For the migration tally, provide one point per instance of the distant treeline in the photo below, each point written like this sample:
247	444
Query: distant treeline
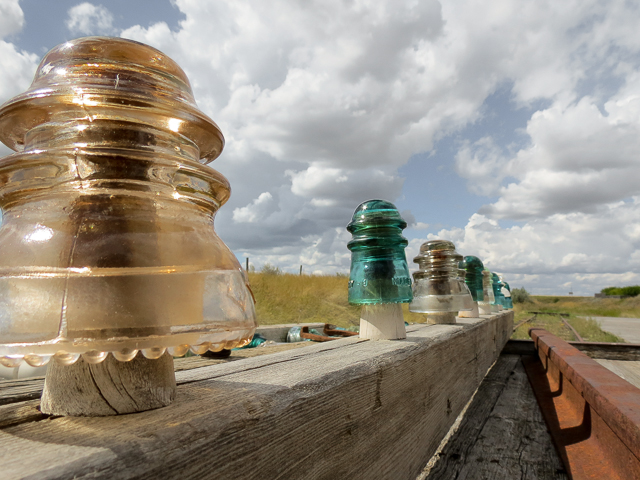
632	291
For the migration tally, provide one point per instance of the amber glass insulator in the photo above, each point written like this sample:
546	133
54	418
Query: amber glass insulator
107	241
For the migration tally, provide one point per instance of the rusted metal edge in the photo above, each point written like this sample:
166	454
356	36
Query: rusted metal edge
523	322
329	334
593	415
608	351
549	313
573	330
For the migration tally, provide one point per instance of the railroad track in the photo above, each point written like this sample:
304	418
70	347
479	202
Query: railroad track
523	322
563	317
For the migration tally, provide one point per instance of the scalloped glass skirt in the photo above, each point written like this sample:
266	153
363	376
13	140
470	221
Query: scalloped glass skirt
58	313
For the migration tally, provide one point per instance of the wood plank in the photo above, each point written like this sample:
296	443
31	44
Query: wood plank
12	391
629	370
342	409
609	351
26	389
502	434
29	388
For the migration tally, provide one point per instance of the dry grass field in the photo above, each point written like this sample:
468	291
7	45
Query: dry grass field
287	298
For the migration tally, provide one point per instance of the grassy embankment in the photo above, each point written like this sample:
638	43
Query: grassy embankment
576	307
290	298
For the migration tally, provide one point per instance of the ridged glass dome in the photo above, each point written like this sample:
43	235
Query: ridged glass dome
473	278
107	234
437	286
489	303
497	289
379	270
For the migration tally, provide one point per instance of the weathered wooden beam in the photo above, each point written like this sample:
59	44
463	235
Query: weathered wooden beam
502	435
349	408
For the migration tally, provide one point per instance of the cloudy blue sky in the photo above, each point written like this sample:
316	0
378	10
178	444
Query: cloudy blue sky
511	127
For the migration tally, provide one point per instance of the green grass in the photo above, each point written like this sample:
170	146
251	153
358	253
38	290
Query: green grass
552	323
589	329
588	306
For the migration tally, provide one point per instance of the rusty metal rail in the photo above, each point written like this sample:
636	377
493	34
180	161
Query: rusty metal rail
600	350
526	320
573	330
593	415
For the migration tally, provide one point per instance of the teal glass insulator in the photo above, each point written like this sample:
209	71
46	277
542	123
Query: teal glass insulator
256	341
507	299
379	270
474	267
497	289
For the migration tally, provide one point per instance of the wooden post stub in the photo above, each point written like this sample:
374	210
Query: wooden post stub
382	322
474	313
438	318
108	388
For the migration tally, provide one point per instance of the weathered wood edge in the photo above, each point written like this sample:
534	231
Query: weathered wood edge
110	387
20	390
502	434
345	409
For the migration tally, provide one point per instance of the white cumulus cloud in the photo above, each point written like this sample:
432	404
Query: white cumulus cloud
89	19
322	103
11	17
253	211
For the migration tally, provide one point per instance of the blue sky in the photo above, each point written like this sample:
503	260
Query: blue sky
509	127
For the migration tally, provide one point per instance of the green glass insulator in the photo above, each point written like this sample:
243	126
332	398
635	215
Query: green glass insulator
497	289
507	300
473	266
379	270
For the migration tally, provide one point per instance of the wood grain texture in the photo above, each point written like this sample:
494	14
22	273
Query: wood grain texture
502	434
110	387
382	322
438	318
12	391
609	351
629	370
343	409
